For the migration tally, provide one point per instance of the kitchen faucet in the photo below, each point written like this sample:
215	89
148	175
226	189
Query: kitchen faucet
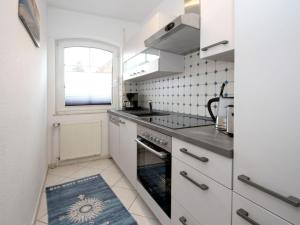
150	106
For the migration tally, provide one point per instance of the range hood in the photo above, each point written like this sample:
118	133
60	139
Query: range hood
182	35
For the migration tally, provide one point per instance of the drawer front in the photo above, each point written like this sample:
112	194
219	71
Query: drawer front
181	216
201	196
247	213
213	165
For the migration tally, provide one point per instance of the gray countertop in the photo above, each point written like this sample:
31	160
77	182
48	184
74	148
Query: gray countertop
206	137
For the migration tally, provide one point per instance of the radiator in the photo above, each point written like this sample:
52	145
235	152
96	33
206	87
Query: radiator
80	140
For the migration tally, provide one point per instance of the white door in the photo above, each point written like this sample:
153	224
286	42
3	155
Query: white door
114	138
267	105
217	29
128	150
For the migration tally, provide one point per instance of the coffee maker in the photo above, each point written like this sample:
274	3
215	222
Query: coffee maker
132	102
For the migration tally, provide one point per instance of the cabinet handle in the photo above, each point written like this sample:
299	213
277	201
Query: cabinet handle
201	186
183	220
122	122
290	199
225	42
245	215
202	159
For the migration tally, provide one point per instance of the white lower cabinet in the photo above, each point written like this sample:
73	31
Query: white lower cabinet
114	138
128	150
206	200
180	216
211	164
122	145
245	213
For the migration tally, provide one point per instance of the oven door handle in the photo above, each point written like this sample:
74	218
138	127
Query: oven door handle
161	155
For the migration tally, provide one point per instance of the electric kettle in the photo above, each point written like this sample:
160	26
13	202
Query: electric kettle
221	118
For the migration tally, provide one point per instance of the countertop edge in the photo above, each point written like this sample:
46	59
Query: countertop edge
223	152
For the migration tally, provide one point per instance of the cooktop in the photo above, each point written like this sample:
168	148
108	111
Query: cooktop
179	121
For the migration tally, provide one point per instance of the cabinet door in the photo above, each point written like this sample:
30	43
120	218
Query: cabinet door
246	213
200	195
128	150
217	29
114	139
267	147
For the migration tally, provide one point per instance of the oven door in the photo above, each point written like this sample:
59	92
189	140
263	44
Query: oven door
154	172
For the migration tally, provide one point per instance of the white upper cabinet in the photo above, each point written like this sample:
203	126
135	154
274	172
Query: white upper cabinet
217	30
152	63
267	146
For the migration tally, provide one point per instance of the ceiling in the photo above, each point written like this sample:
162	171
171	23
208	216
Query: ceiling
130	10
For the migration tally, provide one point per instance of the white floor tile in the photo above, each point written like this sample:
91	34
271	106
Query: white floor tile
111	176
140	208
145	220
65	171
124	183
126	196
99	164
39	223
44	219
85	172
52	180
43	207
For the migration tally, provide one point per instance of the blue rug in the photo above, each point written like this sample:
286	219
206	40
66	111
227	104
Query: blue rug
88	201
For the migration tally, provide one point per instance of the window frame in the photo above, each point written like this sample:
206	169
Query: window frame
61	108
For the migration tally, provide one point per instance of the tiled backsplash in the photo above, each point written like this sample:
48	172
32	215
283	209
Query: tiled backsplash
189	92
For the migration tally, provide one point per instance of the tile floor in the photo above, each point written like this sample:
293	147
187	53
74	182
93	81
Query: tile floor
115	179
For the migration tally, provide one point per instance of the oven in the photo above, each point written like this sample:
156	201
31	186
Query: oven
154	166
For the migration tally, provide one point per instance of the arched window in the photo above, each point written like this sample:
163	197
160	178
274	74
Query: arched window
86	72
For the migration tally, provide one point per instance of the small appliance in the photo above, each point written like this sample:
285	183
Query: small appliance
221	118
133	101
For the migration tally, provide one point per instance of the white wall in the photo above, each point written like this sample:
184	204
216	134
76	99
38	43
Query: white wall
167	11
23	116
63	24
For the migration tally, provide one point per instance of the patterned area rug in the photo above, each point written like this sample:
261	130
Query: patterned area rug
88	201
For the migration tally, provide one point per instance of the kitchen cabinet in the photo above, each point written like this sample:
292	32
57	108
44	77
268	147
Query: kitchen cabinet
181	216
245	213
152	63
122	145
201	196
114	137
128	150
217	29
266	151
213	165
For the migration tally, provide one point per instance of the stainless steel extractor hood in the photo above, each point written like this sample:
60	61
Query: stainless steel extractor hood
182	35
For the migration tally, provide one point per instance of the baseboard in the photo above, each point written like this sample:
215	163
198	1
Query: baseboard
37	206
75	161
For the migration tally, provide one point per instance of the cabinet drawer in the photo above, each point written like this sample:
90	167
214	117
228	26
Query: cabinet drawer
180	216
200	195
279	198
213	165
247	213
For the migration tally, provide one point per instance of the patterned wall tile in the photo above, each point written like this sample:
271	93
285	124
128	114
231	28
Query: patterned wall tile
188	92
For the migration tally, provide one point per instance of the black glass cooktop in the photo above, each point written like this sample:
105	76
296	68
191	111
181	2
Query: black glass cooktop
179	121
